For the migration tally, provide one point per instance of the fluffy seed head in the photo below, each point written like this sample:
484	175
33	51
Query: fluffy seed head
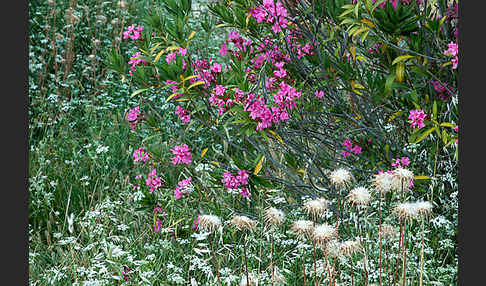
424	209
383	182
273	217
243	222
403	175
340	177
209	222
349	247
323	233
332	249
359	196
387	232
316	207
122	4
406	211
252	279
279	278
302	228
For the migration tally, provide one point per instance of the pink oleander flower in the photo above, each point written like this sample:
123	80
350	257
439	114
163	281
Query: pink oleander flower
281	73
183	115
245	193
454	62
223	51
171	58
182	52
153	181
401	162
456	128
140	155
182	155
135	61
219	90
133	116
452	50
233	182
350	149
216	68
133	33
417	117
319	93
182	188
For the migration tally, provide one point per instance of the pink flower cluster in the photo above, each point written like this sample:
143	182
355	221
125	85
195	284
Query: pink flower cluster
182	155
140	155
269	11
233	182
453	50
133	33
183	115
441	88
266	116
134	117
153	181
348	145
182	188
319	93
171	57
135	61
400	162
417	117
195	223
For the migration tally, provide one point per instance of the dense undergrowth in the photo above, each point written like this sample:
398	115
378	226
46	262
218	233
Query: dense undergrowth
166	137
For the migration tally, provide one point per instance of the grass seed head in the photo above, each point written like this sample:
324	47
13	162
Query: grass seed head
243	222
349	247
273	217
340	177
323	233
316	207
359	196
302	228
209	223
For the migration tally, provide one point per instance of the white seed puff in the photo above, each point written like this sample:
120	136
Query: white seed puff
340	177
209	223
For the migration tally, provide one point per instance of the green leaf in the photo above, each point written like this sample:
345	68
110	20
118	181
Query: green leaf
137	92
425	134
402	58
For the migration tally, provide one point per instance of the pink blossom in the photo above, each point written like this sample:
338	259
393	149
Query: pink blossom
245	193
133	116
182	188
454	62
417	117
319	94
182	155
216	68
171	58
281	73
223	51
133	33
182	52
135	61
452	50
140	155
183	115
219	90
153	181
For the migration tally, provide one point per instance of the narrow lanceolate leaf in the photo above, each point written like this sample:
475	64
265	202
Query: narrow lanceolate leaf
422	178
138	91
401	59
259	166
400	72
204	152
425	134
172	96
368	22
191	35
196	84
